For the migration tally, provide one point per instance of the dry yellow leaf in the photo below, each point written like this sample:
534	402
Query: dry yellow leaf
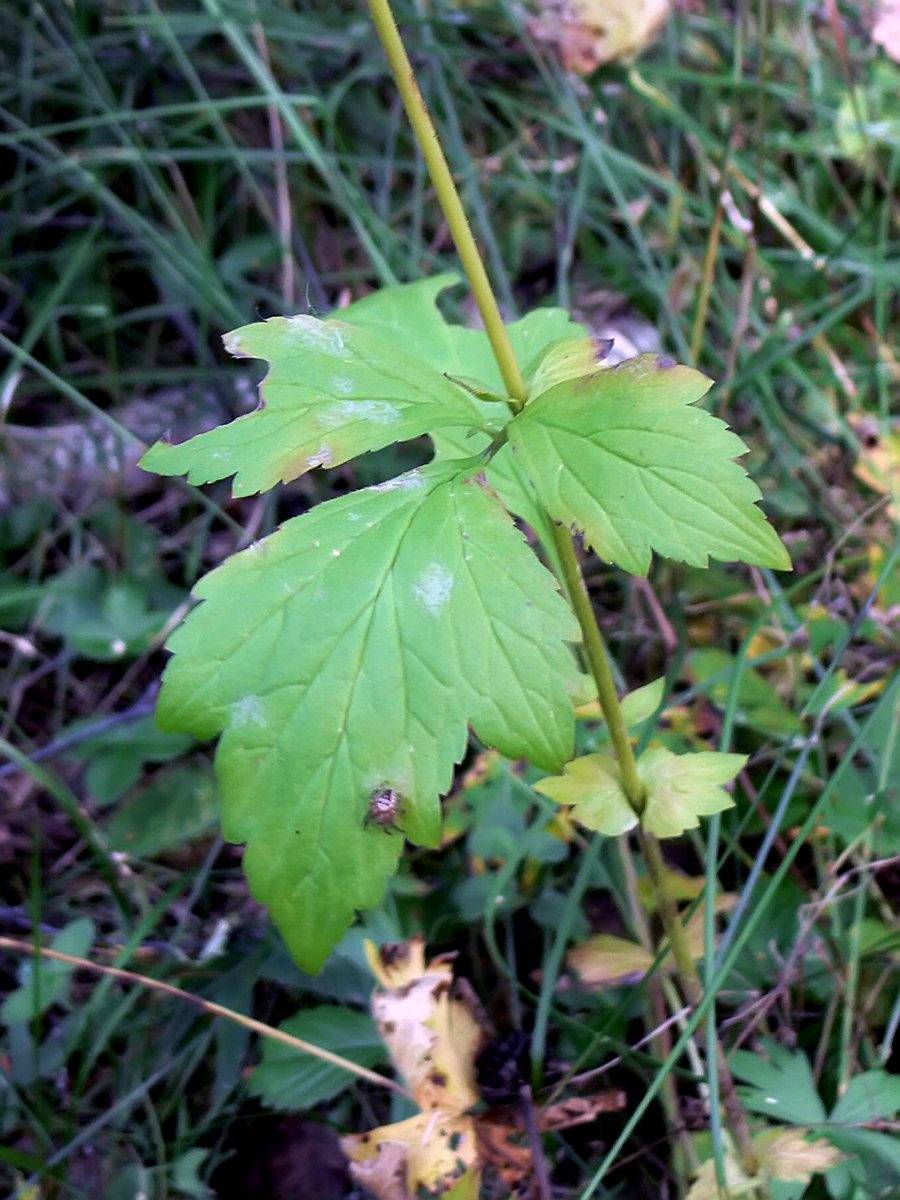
878	464
606	961
430	1025
786	1154
433	1030
737	1182
431	1151
587	33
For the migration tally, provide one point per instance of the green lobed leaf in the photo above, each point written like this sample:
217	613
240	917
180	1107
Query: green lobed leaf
379	372
683	787
409	318
623	456
592	784
871	1096
784	1086
344	655
333	391
680	788
175	808
115	757
45	981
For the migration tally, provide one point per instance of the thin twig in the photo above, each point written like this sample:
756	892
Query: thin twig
208	1006
541	1174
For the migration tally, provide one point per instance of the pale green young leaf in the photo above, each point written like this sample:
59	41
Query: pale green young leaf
623	456
683	787
333	391
344	655
569	358
643	702
592	784
679	789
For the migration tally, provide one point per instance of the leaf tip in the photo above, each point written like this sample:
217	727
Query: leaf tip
234	344
148	460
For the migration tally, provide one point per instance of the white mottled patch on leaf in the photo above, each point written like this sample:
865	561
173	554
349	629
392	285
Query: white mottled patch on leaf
322	336
380	412
343	387
323	457
249	710
412	482
434	588
233	344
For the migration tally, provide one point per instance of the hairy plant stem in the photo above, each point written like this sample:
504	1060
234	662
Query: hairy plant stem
689	978
573	581
598	661
448	198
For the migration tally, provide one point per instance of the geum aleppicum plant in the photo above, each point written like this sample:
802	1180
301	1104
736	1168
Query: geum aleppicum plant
348	653
345	656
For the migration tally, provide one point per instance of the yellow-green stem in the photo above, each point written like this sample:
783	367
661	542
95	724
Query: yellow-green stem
689	978
598	661
655	1012
595	650
448	197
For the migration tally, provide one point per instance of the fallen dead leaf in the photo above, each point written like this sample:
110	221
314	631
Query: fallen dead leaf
433	1028
587	33
500	1131
886	30
429	1152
